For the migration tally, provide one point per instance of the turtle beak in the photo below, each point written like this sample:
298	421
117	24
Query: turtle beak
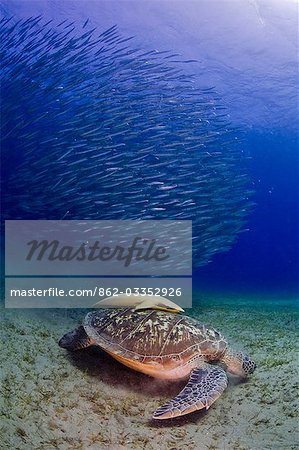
66	340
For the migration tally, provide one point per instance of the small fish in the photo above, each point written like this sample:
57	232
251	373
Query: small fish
85	23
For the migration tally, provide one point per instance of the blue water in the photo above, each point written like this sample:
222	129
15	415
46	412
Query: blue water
266	257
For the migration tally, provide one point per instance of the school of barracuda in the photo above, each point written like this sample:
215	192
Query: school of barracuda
93	128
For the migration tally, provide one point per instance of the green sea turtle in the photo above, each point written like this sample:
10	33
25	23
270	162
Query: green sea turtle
166	346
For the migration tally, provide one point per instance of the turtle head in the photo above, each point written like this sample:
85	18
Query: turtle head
75	340
238	363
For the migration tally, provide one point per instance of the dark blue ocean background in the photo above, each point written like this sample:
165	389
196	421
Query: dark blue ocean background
265	259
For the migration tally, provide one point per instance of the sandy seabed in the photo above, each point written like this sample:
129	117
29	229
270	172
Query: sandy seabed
51	399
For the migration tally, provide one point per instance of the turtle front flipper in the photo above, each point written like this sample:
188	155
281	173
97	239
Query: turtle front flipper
75	340
205	385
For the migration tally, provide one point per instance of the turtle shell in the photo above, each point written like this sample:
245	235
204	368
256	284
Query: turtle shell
153	335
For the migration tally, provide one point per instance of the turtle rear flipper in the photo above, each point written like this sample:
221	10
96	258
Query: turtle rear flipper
76	340
205	385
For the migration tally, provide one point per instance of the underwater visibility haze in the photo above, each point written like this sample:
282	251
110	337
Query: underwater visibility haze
146	110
